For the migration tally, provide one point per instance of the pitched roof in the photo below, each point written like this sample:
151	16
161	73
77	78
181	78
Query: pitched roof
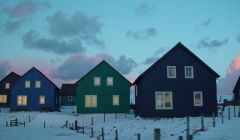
68	90
237	87
104	62
178	45
12	74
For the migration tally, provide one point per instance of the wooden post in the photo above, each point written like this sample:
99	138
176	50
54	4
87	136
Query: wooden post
238	111
91	132
6	123
116	134
104	117
180	138
92	121
187	130
29	118
229	114
222	117
138	136
44	124
76	125
16	122
24	124
234	111
214	122
157	134
83	129
202	122
102	133
115	115
125	115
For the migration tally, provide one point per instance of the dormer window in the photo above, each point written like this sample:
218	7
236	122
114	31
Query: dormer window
171	72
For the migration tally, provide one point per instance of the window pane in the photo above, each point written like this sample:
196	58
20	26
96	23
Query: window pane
87	101
42	100
19	100
159	100
171	71
94	101
168	100
37	84
109	81
3	98
24	100
7	85
27	84
197	98
97	81
115	99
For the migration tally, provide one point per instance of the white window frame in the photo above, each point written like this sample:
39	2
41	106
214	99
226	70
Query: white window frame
175	72
22	97
95	81
163	108
3	98
69	98
114	101
42	102
27	84
185	71
91	101
109	81
201	95
38	84
7	85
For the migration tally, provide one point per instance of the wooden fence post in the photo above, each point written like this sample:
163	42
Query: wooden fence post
16	122
138	136
238	111
83	130
222	117
6	123
187	130
157	134
92	121
229	114
180	138
76	125
125	115
202	122
234	111
24	124
116	134
115	115
91	132
214	122
102	133
44	124
29	118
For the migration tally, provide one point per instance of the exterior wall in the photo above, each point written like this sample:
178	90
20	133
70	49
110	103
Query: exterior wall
65	102
182	89
104	93
236	90
47	89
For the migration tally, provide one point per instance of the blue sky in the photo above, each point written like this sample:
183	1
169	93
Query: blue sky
65	39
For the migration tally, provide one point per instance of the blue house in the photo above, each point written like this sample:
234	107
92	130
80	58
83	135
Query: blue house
236	90
34	91
178	84
5	86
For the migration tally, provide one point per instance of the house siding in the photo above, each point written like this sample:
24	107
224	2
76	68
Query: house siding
65	102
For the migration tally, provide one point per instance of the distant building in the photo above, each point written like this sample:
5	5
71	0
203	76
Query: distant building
236	90
68	98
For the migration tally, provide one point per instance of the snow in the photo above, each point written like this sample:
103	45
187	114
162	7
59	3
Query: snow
127	127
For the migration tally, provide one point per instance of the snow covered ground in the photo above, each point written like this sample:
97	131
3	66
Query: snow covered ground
127	127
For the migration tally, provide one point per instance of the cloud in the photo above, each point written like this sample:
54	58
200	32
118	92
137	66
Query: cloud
206	23
144	9
159	51
25	8
78	25
12	25
227	83
78	65
140	35
31	40
4	68
150	60
211	44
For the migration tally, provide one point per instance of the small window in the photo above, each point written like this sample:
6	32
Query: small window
69	98
27	84
90	101
37	84
97	81
116	100
42	100
3	98
171	72
22	100
7	85
198	100
163	100
189	72
109	81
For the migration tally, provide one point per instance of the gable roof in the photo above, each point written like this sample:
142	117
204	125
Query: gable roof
12	74
178	45
104	62
237	86
33	68
68	90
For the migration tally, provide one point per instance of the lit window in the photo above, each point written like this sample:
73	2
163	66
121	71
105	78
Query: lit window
91	101
7	85
37	84
27	84
69	98
42	100
163	100
3	98
198	100
171	72
97	81
189	72
109	81
22	100
115	99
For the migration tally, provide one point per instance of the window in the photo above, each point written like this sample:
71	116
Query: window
91	101
171	72
69	98
97	81
163	100
37	84
109	81
7	85
189	72
22	100
27	84
115	99
198	100
42	100
3	98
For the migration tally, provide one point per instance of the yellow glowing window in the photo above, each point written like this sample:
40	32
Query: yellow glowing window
91	101
22	100
42	100
115	99
3	98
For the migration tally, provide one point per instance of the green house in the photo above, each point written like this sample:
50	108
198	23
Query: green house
103	90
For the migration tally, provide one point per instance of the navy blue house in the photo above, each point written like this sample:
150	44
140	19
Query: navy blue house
178	84
34	91
236	90
5	86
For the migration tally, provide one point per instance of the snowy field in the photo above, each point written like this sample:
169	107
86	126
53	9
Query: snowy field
127	127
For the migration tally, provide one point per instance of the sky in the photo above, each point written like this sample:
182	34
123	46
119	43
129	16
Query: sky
65	39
